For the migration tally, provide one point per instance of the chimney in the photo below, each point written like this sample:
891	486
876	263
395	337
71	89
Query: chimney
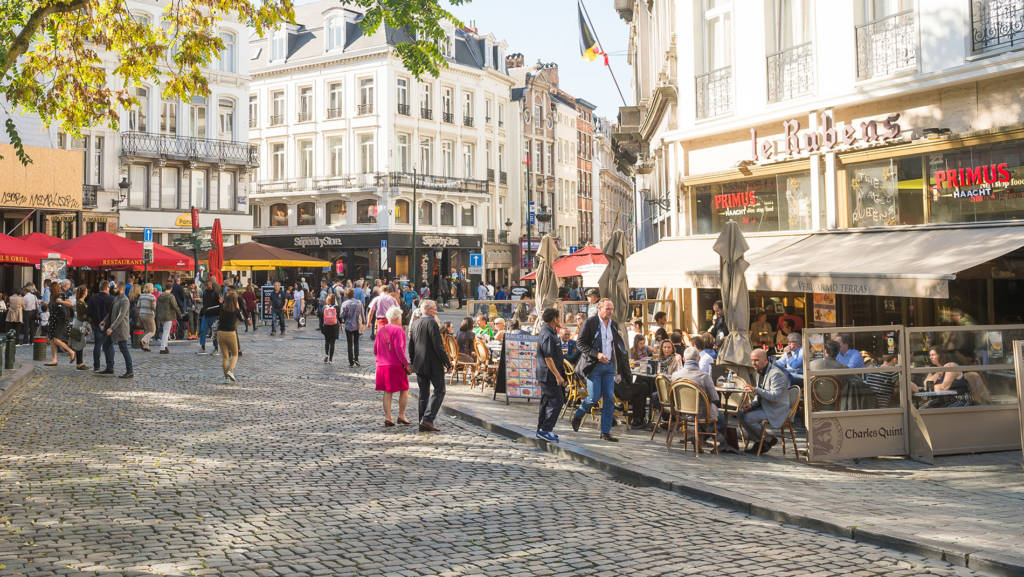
514	61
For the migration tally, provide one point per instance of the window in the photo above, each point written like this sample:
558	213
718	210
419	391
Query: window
253	111
772	203
402	96
996	25
447	159
790	51
468	216
279	45
305	159
168	188
402	153
97	160
335	33
337	212
550	159
137	116
427	155
446	105
467	161
467	105
366	96
138	181
197	183
305	103
277	158
426	215
227	190
306	212
279	214
401	211
487	149
366	153
366	212
334	93
226	114
487	110
277	107
538	167
538	116
717	34
426	101
447	214
501	115
335	155
168	117
214	197
197	116
227	54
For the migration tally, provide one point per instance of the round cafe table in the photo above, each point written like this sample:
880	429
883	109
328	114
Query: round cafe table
726	391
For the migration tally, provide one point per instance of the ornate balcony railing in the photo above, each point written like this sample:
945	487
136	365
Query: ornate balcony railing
252	123
448	117
335	112
276	119
89	192
403	109
502	177
887	45
490	175
426	113
364	109
431	182
468	121
997	25
791	72
172	147
305	116
714	93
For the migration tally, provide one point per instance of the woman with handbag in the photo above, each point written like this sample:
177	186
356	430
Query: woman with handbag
59	328
80	327
393	368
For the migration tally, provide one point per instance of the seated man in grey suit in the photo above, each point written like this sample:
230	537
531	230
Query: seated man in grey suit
772	402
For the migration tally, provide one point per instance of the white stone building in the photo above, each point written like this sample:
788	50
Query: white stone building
614	207
342	129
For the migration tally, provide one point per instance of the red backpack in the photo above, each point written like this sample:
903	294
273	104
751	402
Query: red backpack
330	316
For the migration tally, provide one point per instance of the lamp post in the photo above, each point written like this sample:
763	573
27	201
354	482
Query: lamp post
415	216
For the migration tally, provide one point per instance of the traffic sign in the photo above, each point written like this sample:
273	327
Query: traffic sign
383	254
147	245
533	220
476	263
147	235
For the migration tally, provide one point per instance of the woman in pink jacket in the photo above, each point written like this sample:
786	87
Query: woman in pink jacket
392	365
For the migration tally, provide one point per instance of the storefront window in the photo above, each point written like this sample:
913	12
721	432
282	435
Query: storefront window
279	214
427	212
885	193
767	204
977	184
401	212
307	214
366	212
467	216
447	214
337	212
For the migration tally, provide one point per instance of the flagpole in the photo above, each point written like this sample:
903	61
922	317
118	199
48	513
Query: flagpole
610	71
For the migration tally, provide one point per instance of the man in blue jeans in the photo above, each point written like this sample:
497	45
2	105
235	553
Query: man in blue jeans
278	298
604	360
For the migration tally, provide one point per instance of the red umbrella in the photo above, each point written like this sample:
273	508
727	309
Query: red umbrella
17	251
102	249
216	256
40	239
566	266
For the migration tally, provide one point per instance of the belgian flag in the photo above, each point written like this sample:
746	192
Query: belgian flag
589	48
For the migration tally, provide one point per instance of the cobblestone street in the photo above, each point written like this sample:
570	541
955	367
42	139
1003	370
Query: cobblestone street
291	472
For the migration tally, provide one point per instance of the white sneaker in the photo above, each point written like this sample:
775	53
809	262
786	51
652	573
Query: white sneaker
232	376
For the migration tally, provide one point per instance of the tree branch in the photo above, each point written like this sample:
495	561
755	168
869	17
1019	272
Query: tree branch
23	40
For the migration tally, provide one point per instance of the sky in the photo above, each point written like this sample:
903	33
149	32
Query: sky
548	30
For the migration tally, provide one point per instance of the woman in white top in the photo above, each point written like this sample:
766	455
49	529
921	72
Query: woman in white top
298	297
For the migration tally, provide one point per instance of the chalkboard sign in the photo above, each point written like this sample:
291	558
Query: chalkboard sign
265	292
521	366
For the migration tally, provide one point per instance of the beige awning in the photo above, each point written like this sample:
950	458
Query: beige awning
692	262
901	263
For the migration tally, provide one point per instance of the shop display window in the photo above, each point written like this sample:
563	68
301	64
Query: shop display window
366	212
773	203
279	214
307	214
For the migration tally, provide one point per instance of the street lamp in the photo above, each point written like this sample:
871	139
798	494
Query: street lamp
122	194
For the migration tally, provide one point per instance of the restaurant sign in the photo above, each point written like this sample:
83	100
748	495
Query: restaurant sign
851	435
827	137
52	181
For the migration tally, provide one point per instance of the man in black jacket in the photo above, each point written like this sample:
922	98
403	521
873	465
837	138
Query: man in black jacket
278	299
429	362
550	375
98	306
604	360
179	295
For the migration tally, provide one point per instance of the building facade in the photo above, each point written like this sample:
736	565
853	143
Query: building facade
853	129
355	149
585	122
614	206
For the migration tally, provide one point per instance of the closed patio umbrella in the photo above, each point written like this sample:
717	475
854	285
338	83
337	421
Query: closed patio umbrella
613	283
547	281
216	256
735	348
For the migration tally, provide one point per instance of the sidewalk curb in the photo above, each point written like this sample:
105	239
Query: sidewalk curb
995	564
14	379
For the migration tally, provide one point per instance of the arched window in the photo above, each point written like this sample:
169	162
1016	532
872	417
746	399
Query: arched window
307	214
468	215
227	54
279	214
426	212
366	212
401	212
447	214
337	212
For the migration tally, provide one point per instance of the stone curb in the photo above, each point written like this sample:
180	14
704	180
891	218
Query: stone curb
14	379
995	564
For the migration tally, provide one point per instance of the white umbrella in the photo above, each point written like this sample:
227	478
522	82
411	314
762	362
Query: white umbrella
731	246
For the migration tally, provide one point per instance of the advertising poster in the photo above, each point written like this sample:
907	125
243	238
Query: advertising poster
521	366
265	292
824	309
54	268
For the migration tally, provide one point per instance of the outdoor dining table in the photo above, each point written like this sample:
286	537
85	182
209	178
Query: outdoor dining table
726	391
927	395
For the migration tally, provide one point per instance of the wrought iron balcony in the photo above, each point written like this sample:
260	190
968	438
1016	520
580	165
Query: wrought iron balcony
887	45
791	72
276	119
443	183
501	123
426	113
487	120
305	116
543	214
335	112
997	25
170	147
252	123
403	109
714	93
448	117
468	121
490	235
336	182
503	236
89	192
502	177
364	109
490	175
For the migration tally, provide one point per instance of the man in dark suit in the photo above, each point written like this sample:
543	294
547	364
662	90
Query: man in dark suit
178	292
429	362
604	360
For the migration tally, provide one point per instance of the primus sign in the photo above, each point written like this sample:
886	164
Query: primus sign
828	137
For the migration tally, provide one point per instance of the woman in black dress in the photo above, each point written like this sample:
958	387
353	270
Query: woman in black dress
60	324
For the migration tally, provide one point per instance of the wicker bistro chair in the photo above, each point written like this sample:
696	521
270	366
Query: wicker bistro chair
484	371
665	398
691	405
575	388
825	391
794	402
451	346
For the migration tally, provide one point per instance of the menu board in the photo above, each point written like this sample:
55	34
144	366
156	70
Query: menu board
521	366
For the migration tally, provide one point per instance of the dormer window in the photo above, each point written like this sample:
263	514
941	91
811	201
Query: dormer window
335	33
279	45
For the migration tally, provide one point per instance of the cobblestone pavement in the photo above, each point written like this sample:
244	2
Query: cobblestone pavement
290	472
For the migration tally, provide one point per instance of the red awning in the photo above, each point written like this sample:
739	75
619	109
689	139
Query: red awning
16	251
40	239
103	250
566	266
